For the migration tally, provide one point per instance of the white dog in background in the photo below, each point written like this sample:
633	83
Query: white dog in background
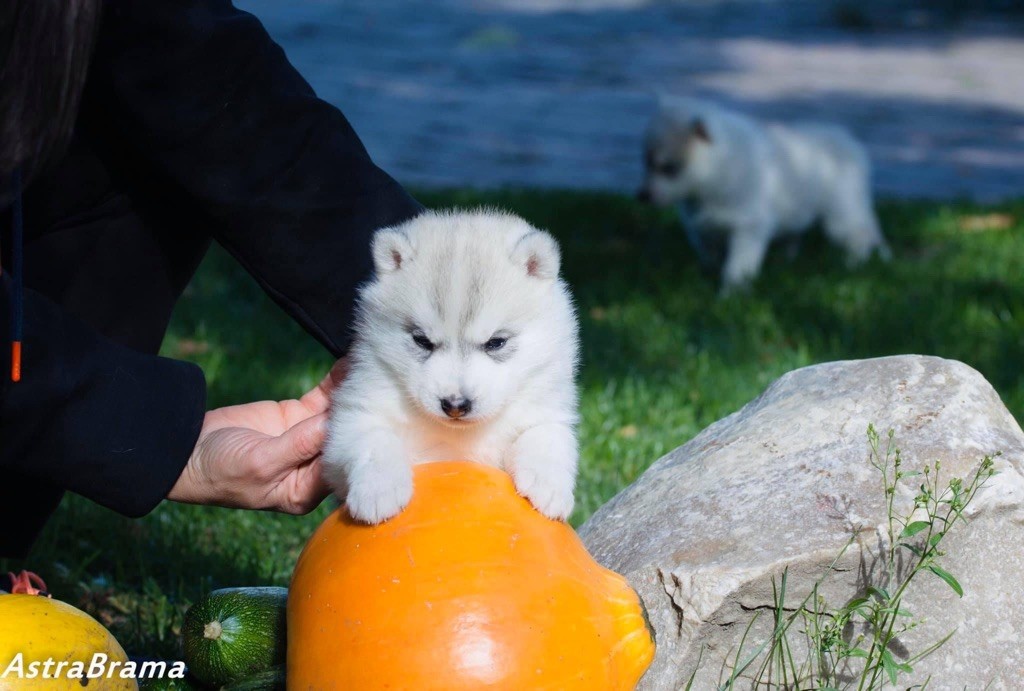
753	182
466	349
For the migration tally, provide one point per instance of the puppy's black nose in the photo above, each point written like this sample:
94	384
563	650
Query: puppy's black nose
456	406
642	195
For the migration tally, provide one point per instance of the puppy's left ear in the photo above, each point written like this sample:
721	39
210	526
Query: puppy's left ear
537	252
700	131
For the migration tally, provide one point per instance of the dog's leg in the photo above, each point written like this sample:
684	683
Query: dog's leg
370	468
691	227
543	466
747	247
853	225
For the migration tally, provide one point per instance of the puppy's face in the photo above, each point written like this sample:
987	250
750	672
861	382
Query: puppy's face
457	312
669	148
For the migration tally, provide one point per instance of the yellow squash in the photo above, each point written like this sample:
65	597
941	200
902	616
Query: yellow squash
35	629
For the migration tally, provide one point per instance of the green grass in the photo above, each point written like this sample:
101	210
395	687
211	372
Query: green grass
662	359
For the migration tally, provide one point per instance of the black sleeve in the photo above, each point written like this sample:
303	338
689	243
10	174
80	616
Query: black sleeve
199	90
93	417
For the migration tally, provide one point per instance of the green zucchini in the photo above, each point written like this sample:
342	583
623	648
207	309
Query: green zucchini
269	680
235	633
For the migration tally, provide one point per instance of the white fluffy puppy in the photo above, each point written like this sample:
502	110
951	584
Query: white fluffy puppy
465	349
754	181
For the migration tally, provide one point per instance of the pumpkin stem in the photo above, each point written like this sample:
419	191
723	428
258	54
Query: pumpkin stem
27	583
212	630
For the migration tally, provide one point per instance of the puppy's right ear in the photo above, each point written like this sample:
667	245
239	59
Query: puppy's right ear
391	250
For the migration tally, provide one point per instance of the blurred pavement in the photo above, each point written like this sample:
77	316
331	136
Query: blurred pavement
557	92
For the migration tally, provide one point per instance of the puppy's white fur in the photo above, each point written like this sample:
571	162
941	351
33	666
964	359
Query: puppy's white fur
755	181
456	281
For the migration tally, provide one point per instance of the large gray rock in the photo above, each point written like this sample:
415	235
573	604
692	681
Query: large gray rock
786	480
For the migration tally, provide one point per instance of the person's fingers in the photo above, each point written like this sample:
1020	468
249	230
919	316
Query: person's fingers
298	487
304	489
297	445
337	374
249	468
318	399
268	417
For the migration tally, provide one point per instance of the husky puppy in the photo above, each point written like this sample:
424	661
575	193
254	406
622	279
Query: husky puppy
466	349
754	182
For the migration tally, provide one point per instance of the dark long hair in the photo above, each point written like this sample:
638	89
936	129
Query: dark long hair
45	46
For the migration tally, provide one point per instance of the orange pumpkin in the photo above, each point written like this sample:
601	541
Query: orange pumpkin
468	588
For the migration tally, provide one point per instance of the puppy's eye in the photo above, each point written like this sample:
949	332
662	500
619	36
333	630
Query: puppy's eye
495	343
669	170
420	339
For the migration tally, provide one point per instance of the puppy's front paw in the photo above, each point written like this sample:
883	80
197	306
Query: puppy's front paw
379	491
543	467
549	492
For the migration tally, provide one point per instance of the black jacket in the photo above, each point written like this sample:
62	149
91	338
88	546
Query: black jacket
193	127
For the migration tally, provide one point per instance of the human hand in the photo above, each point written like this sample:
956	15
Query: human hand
262	455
